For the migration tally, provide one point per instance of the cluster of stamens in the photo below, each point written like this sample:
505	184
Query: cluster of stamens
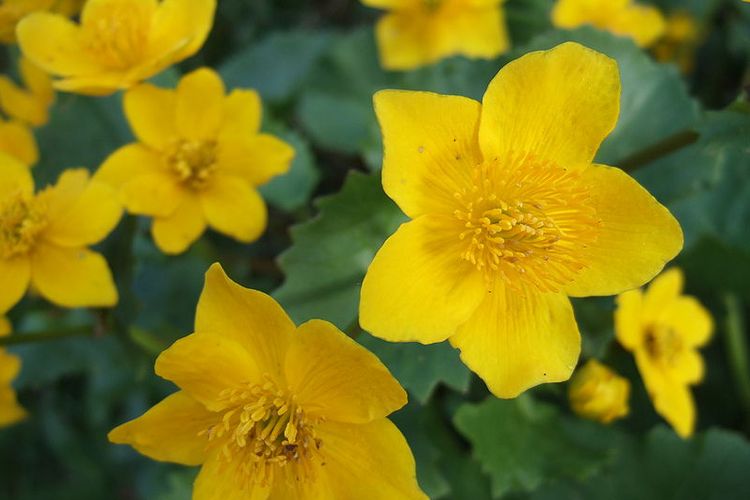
266	432
21	220
118	38
193	162
525	221
662	344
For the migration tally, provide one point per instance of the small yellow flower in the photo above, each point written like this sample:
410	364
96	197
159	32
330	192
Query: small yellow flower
663	329
510	217
10	411
17	140
12	11
118	42
29	104
200	158
679	41
642	23
419	32
271	410
44	238
598	393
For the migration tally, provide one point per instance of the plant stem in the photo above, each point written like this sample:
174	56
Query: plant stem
47	335
738	350
659	150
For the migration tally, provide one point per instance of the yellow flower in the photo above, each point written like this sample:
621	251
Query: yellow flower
199	161
10	411
12	11
118	43
510	217
68	7
663	329
419	32
679	41
598	393
17	141
43	237
271	410
643	23
30	104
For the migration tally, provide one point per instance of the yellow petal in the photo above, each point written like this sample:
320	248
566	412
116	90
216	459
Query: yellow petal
152	114
10	411
175	233
234	208
690	320
18	141
334	377
87	218
642	23
20	104
182	25
430	148
128	163
520	338
249	317
629	319
16	275
204	364
256	159
37	81
662	292
418	288
475	32
53	42
242	114
5	327
72	277
157	193
200	105
405	41
672	399
100	84
368	461
558	105
15	177
220	479
171	431
637	235
688	367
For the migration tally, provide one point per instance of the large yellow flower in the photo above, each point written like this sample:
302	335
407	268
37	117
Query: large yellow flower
43	237
663	329
30	103
598	393
642	23
200	158
18	141
118	43
419	32
10	411
510	217
271	410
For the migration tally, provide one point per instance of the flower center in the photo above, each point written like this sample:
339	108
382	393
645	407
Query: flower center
523	220
663	344
193	162
117	32
21	221
432	5
264	429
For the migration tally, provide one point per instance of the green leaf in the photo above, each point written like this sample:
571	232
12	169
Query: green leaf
522	444
329	255
421	368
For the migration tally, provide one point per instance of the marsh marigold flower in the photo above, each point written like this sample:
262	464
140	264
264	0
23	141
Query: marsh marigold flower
419	32
29	103
44	237
678	44
118	42
10	411
270	410
18	141
598	393
199	161
510	217
664	329
643	23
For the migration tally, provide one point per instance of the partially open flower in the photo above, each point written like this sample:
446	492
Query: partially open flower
598	393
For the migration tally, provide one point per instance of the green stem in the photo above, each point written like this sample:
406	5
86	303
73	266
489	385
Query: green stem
659	150
737	349
44	336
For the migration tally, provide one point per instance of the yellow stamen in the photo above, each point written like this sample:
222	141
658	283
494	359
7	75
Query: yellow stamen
21	220
193	162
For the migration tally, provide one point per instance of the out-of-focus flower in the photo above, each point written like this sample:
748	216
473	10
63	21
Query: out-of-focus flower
12	11
10	411
30	103
510	217
419	32
679	41
663	329
271	410
598	393
68	8
199	161
642	23
17	140
118	42
44	237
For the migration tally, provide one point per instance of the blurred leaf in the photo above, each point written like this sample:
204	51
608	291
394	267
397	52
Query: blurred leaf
329	255
527	18
337	122
522	444
420	368
292	190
